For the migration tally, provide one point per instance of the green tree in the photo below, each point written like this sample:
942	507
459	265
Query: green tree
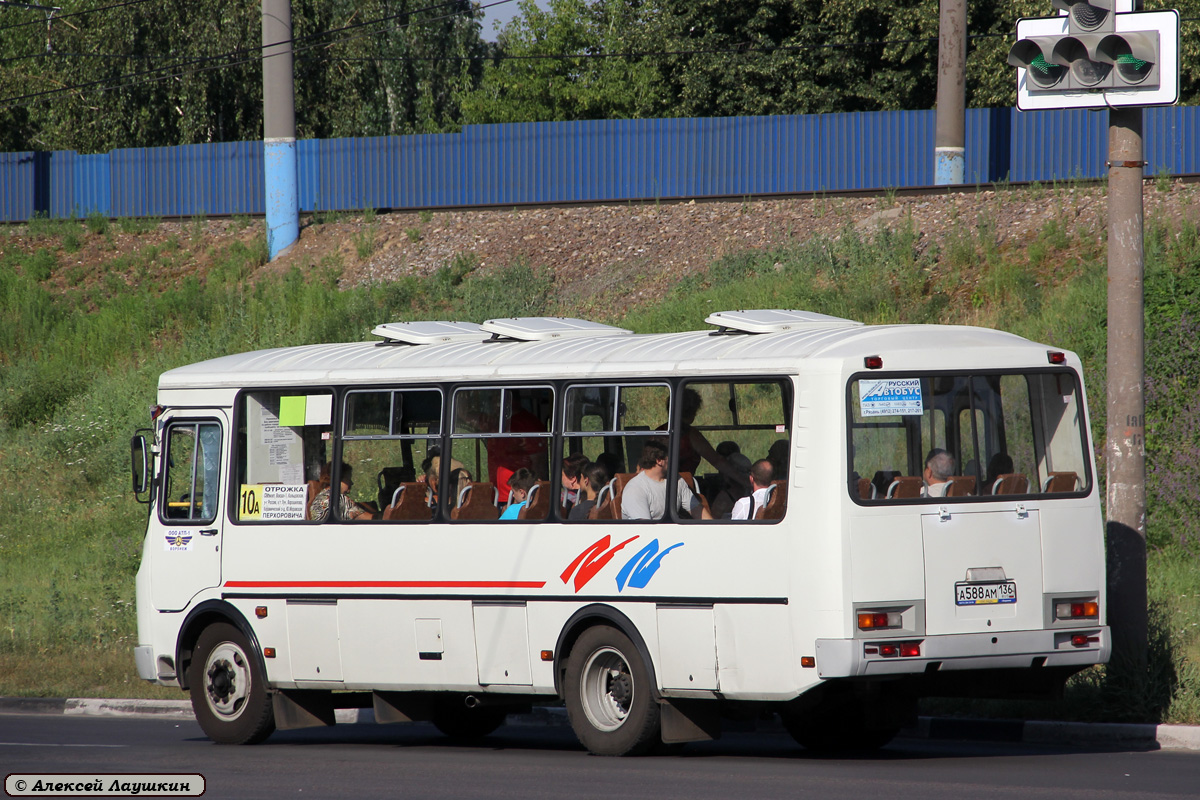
407	74
575	60
189	71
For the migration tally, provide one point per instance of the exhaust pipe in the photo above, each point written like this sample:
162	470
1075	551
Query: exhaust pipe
471	701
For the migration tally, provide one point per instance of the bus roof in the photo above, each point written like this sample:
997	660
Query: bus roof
646	355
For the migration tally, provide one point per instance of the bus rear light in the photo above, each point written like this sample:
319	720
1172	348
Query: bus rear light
1055	357
893	650
876	620
547	655
1083	640
1076	609
873	362
268	652
808	662
260	612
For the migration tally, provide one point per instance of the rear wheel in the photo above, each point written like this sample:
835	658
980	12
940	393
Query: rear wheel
609	698
228	688
841	724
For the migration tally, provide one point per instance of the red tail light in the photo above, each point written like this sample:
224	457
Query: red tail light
889	650
1077	609
1055	357
874	620
910	649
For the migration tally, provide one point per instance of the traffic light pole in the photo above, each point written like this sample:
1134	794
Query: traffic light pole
1125	452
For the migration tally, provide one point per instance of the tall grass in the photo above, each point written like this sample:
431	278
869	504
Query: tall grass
78	371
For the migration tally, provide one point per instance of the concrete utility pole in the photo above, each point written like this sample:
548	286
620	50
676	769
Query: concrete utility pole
950	137
279	128
1126	456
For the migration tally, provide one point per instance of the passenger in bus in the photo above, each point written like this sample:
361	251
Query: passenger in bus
778	456
459	477
519	485
1000	464
692	445
591	480
572	471
347	508
761	475
939	469
732	491
645	496
507	454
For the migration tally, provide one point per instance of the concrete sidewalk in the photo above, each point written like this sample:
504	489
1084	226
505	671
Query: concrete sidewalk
1109	734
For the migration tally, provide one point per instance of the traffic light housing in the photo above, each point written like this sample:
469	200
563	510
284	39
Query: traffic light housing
1095	56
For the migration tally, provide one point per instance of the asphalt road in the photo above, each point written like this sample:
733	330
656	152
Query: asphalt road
415	761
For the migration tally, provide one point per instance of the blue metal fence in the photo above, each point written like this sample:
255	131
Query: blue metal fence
602	160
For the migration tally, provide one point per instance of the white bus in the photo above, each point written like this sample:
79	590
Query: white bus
925	522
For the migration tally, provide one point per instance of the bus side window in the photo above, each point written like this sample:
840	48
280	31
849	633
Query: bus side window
284	438
389	439
498	431
610	424
734	447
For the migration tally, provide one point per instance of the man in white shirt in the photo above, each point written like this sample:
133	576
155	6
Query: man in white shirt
762	472
939	469
645	496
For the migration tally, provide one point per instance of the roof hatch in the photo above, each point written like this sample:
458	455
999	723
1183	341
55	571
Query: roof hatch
544	329
429	332
774	321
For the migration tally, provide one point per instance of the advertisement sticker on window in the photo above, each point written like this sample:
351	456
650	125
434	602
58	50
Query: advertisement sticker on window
890	397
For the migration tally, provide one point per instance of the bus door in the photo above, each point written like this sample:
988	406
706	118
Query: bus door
187	556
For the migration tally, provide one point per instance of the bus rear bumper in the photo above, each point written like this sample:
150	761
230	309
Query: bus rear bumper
846	658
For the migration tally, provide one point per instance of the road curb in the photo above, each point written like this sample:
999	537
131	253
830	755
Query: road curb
1111	734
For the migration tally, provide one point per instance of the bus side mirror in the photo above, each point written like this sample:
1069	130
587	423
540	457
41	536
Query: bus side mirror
140	467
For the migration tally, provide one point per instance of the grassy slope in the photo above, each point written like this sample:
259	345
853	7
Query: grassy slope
78	370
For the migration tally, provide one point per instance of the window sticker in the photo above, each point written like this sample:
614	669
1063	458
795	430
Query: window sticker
890	397
291	410
318	409
272	501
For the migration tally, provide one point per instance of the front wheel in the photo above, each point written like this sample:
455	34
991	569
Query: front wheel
228	688
609	698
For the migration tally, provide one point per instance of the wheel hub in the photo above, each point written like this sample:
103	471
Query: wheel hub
221	681
620	688
227	681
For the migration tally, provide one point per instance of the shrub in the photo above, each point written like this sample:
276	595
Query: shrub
38	399
96	222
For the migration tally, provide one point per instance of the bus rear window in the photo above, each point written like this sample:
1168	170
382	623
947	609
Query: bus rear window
977	435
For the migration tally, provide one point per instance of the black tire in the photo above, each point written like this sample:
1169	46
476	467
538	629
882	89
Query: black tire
610	700
452	717
228	688
836	728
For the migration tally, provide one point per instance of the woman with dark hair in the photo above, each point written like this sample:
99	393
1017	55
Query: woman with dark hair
591	480
318	509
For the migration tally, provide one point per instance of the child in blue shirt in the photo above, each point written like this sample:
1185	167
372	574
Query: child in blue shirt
518	485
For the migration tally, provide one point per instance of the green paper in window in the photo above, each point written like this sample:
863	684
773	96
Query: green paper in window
291	411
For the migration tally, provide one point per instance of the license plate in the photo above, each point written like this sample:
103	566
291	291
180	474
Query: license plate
980	594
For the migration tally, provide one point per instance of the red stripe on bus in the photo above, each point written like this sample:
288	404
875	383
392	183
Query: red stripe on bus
385	584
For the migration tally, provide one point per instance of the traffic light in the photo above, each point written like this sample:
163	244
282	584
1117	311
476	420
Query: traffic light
1097	54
